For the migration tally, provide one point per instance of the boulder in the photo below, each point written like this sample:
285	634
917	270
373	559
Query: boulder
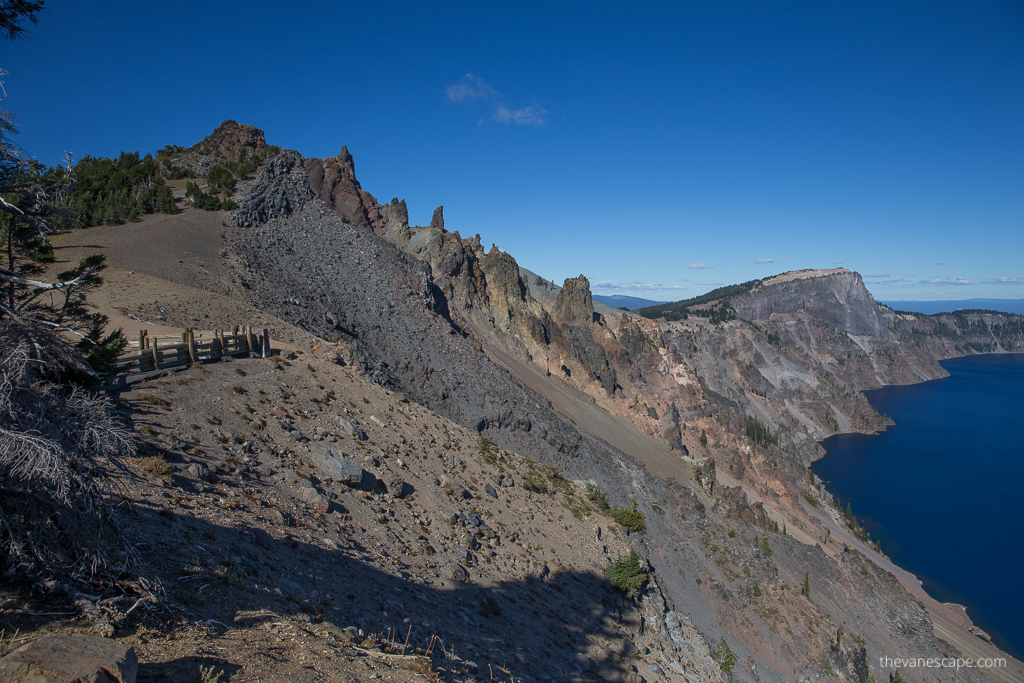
345	470
292	591
313	498
201	472
396	486
71	658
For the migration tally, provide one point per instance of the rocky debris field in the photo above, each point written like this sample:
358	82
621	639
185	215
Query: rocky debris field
303	522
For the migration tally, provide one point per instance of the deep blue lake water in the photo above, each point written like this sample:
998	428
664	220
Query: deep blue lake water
943	490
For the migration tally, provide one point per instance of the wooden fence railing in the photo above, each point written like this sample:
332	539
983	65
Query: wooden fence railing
158	352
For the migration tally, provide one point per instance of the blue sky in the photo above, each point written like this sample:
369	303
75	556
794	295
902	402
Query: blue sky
677	145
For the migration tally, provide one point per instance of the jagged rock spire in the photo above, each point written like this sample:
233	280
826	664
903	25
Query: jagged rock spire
574	305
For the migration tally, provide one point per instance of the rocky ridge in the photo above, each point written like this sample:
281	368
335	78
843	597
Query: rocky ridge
484	294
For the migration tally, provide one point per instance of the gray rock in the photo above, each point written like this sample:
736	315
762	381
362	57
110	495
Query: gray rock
396	486
507	483
345	470
657	670
459	573
279	188
200	472
279	518
355	431
68	658
450	516
584	662
292	591
490	491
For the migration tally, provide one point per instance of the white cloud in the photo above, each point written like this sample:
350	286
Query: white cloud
473	90
711	284
875	275
948	281
697	265
527	116
470	87
609	286
1005	281
764	260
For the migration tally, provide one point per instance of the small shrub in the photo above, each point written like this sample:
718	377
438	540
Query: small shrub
153	399
726	658
156	465
209	675
598	497
147	430
811	499
757	591
489	450
535	482
631	518
625	574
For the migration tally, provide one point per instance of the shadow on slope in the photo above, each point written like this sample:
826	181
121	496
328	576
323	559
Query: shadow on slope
538	628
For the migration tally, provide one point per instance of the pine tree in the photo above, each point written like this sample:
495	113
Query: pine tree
703	438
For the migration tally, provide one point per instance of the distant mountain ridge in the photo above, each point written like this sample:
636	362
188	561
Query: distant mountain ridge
630	302
948	306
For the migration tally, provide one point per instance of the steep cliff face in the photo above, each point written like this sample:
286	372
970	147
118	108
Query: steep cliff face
837	297
962	333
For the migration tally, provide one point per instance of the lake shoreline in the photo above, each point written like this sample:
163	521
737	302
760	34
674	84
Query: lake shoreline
847	456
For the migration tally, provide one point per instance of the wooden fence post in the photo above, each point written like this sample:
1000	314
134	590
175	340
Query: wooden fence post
266	343
191	341
156	354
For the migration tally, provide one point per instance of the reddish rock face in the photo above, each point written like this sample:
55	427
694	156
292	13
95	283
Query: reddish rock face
333	181
230	138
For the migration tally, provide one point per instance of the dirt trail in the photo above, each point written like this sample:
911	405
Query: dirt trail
166	273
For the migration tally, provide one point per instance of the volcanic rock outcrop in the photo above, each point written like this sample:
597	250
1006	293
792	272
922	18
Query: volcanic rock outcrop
575	304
